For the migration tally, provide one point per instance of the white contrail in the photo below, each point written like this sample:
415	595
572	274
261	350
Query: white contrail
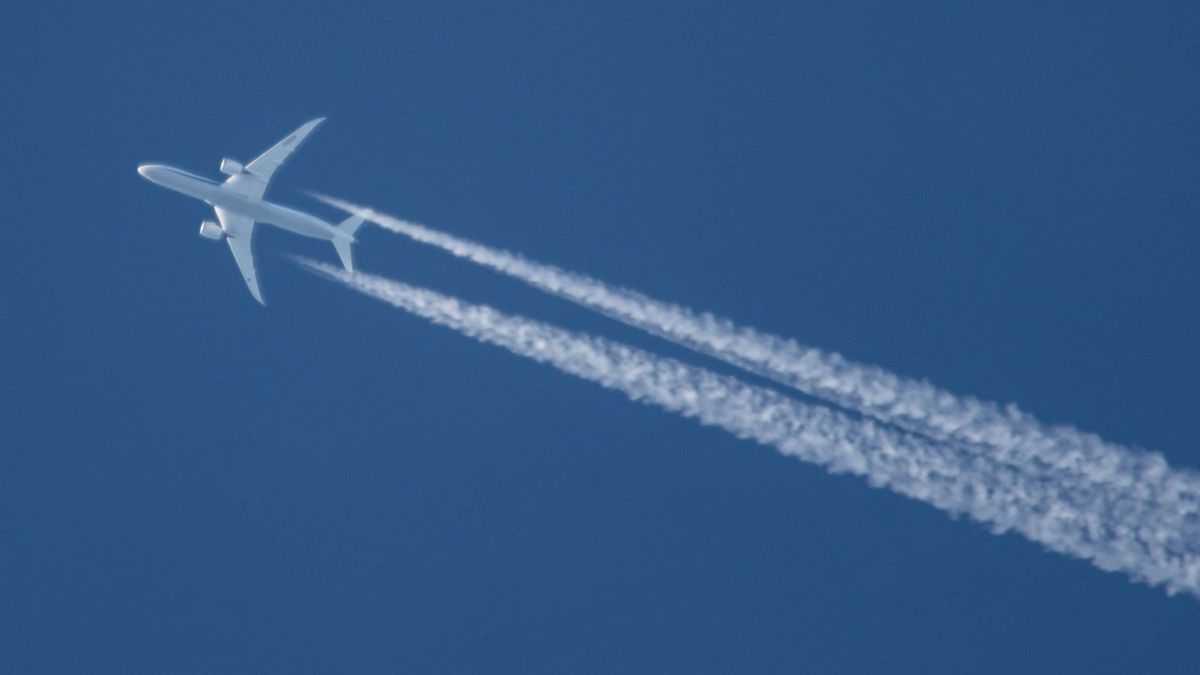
1004	434
1112	529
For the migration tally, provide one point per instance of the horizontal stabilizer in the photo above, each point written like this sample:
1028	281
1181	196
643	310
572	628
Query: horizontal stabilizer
342	246
348	227
351	224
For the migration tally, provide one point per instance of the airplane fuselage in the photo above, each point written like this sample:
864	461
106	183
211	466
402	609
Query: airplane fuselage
240	207
259	210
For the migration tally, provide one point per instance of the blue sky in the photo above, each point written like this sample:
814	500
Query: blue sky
999	198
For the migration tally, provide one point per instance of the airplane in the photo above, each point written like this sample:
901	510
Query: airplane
239	204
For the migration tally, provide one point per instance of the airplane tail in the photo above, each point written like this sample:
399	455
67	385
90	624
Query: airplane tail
348	226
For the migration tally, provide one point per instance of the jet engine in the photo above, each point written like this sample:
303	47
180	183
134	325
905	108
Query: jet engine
231	167
210	230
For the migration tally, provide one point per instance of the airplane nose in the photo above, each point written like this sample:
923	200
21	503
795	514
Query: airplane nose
148	171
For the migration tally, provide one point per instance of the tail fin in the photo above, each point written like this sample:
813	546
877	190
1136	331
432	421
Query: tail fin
348	226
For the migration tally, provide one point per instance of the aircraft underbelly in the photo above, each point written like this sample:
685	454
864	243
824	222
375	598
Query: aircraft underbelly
300	223
279	216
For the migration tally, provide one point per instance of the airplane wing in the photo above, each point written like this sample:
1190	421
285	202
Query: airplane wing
239	232
252	182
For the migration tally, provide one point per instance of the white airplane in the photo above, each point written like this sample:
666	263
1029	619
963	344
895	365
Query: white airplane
239	204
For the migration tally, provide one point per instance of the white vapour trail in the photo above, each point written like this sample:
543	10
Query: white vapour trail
1112	529
1004	434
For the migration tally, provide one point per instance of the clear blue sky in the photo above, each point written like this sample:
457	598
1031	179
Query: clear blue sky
1001	198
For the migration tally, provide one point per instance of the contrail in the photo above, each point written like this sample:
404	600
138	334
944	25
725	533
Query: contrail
1005	434
1113	529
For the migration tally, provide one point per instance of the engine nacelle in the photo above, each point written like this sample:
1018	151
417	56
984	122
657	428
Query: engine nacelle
210	230
231	167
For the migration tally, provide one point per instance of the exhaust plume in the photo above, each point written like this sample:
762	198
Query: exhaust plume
1004	434
1152	541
